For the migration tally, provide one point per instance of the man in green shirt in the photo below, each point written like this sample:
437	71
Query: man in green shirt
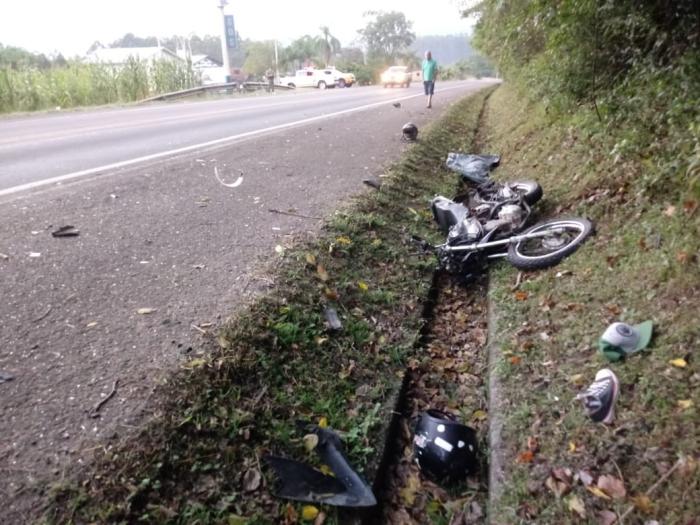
430	71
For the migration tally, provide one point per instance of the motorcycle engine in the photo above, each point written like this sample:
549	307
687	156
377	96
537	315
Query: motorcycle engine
465	231
506	193
512	214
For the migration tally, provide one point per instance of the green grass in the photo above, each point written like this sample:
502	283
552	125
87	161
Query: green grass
642	264
276	363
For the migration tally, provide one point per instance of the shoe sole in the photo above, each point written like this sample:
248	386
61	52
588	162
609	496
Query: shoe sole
616	392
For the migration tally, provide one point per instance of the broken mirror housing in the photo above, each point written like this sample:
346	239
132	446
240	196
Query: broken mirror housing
443	448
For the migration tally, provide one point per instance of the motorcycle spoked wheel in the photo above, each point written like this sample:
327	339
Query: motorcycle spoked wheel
542	252
529	190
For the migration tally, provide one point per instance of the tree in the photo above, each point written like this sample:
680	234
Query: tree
131	40
260	56
388	35
329	45
300	52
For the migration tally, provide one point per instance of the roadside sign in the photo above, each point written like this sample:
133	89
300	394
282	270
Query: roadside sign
231	42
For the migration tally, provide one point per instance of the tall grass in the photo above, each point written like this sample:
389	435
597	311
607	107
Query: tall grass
80	84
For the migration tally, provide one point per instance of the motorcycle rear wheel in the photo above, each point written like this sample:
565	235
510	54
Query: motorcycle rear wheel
529	190
566	235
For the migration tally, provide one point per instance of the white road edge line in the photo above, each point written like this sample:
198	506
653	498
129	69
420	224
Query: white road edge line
185	149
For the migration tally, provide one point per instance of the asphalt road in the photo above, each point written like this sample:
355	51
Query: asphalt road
59	146
162	233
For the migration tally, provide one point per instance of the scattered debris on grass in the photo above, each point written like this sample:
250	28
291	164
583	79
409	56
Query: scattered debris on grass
275	364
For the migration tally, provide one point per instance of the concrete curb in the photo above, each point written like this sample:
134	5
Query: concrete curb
495	409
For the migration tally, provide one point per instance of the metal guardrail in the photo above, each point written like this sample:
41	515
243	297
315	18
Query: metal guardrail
235	86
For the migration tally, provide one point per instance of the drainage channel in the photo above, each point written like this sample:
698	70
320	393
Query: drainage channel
449	373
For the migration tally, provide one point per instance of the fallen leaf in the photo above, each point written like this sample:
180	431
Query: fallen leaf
309	512
687	466
195	363
322	273
323	422
606	517
320	519
514	360
680	362
310	441
572	447
612	486
563	474
362	286
533	444
235	519
577	379
670	211
223	342
408	492
331	294
558	487
344	241
585	477
575	505
684	404
682	257
597	492
525	457
613	309
251	480
479	415
145	311
311	259
690	206
643	503
520	295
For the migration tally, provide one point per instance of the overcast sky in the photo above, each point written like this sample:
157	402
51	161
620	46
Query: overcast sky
71	26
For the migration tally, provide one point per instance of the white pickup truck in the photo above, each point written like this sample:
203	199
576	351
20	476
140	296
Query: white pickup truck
318	78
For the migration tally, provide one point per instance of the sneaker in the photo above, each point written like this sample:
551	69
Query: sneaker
599	398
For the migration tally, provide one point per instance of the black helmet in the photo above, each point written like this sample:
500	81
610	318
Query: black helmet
443	448
410	131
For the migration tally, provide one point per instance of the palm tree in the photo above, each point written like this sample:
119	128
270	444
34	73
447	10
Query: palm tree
328	44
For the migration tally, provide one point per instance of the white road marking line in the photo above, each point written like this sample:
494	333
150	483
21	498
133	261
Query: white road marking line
193	147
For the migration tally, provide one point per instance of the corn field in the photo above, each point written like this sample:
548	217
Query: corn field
80	84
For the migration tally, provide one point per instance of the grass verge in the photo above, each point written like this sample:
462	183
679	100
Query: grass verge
276	363
643	264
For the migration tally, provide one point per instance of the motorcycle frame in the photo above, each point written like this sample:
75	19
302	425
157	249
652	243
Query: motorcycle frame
478	246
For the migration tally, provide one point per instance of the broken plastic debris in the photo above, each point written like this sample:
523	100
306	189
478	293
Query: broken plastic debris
332	319
300	482
372	183
5	377
234	184
66	231
34	255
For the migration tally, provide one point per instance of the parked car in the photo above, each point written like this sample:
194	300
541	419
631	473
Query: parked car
343	79
310	77
396	76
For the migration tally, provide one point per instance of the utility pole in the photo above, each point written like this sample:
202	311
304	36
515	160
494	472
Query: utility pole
224	44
